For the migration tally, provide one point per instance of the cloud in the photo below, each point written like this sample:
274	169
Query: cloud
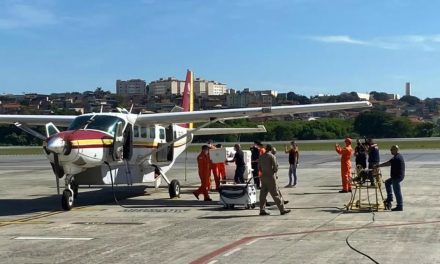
422	42
25	16
339	39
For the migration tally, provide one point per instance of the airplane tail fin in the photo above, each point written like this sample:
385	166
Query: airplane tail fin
188	96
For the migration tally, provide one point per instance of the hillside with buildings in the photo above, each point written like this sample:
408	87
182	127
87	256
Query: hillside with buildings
163	94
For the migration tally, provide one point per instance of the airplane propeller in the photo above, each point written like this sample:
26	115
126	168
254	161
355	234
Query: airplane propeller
54	146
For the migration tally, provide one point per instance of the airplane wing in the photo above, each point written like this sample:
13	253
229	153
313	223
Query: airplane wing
38	120
224	131
238	113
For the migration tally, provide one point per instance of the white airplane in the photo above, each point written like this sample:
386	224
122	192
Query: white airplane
125	148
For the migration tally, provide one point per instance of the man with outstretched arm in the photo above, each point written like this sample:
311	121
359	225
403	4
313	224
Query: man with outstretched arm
397	174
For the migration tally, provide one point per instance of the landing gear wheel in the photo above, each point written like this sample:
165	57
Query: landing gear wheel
67	200
174	189
231	206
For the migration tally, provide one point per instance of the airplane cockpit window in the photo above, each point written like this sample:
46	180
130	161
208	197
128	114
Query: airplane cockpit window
98	122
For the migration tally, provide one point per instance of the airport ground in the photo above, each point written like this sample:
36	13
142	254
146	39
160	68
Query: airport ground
151	228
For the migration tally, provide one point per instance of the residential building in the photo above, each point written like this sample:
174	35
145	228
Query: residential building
131	87
165	87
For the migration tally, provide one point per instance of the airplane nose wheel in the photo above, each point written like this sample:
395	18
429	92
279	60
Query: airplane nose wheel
67	200
174	189
69	193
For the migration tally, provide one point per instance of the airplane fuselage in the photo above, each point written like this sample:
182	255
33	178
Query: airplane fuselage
97	147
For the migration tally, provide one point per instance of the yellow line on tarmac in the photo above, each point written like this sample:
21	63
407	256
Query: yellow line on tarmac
29	219
23	223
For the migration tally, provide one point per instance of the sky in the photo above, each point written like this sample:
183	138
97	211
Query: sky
305	46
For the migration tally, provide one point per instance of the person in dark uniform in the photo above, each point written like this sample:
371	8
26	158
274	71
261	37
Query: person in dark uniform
373	157
239	163
397	174
255	154
360	152
373	154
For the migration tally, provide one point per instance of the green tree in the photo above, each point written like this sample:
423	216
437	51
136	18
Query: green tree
411	100
399	127
425	129
372	124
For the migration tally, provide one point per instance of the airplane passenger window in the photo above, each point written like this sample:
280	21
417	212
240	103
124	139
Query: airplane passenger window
143	132
152	132
136	131
162	133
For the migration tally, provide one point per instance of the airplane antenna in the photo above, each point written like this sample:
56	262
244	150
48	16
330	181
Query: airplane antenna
131	108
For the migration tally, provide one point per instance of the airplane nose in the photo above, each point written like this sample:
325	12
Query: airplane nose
56	145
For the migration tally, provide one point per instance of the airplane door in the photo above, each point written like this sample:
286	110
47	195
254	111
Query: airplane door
169	138
166	150
128	142
117	149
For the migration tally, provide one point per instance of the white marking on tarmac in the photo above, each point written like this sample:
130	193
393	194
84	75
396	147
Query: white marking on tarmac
53	238
253	241
212	261
231	252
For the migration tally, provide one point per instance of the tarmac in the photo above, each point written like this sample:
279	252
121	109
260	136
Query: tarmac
148	227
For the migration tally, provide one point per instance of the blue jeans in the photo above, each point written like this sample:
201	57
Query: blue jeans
292	174
396	187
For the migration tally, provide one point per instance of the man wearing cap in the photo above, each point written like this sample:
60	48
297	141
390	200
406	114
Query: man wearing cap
268	166
397	175
345	153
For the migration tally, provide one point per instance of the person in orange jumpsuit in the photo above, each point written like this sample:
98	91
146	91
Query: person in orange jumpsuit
215	168
221	170
345	153
204	164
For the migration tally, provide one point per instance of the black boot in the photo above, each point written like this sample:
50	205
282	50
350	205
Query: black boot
397	208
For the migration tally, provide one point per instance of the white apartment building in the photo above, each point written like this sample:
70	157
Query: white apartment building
166	87
172	86
131	87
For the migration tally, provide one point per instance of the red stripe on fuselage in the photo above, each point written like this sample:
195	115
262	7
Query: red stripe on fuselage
80	134
91	146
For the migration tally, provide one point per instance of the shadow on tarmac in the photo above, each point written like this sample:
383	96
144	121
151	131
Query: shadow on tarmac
10	207
218	217
312	193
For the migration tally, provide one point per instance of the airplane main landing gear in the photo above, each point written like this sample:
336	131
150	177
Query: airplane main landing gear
173	186
69	194
174	189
